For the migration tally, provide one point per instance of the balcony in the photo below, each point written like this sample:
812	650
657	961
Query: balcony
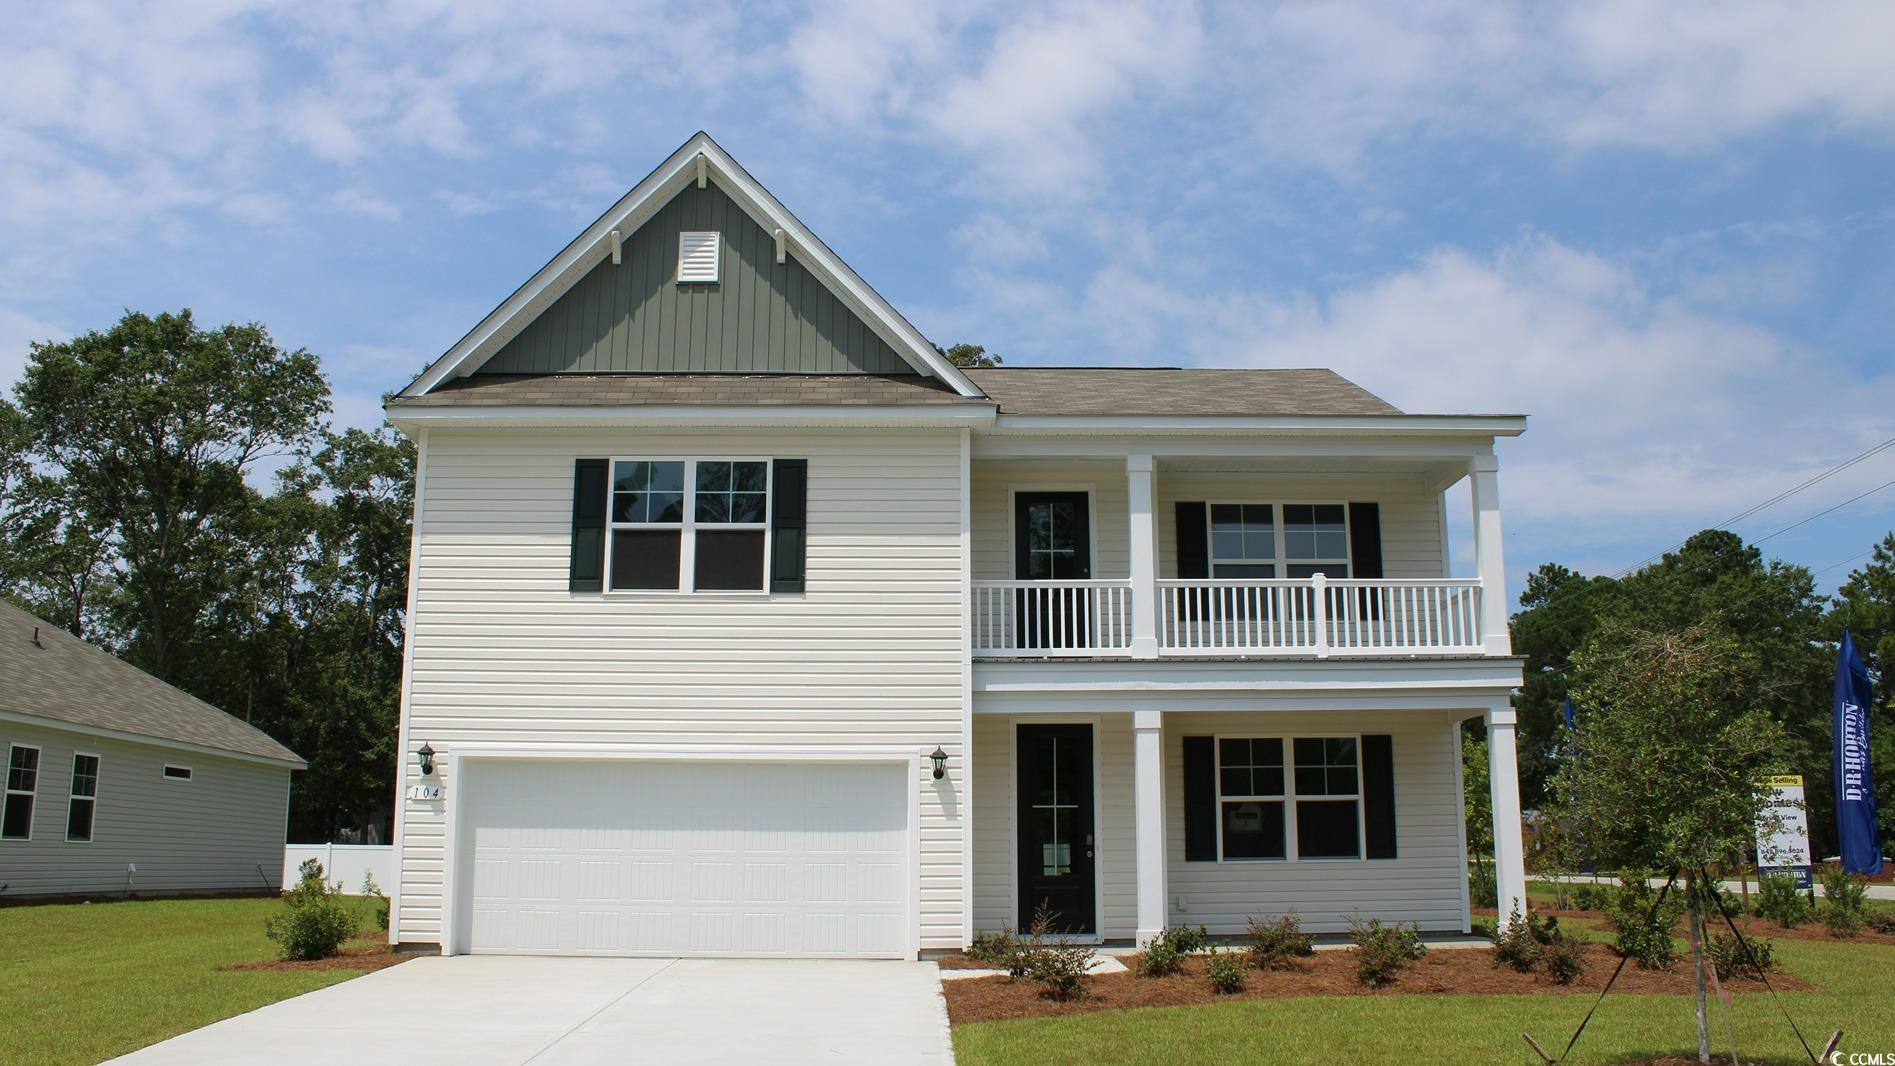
1316	617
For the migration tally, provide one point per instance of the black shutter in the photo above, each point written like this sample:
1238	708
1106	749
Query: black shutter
1378	795
1200	798
789	511
587	572
1194	541
1365	540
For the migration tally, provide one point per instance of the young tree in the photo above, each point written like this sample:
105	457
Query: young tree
1677	743
1477	812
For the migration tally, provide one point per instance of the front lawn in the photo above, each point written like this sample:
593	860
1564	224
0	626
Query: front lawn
1852	993
84	982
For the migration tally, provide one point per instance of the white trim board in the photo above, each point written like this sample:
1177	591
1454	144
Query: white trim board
636	207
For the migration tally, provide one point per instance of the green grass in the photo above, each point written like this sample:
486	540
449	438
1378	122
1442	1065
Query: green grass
1854	993
84	982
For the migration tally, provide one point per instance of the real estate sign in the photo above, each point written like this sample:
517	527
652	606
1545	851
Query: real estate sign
1783	831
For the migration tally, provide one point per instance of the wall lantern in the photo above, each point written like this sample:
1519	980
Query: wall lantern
940	762
426	754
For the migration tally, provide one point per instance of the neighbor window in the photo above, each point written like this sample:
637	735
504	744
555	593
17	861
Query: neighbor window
1252	540
689	524
84	797
1309	809
16	815
177	773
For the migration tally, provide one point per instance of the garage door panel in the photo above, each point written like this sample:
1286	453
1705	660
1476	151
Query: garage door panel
637	857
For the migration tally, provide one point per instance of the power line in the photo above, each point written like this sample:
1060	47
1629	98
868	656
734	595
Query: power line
1826	510
1845	562
1778	498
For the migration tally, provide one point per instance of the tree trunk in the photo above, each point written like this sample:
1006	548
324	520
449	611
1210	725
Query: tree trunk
1694	902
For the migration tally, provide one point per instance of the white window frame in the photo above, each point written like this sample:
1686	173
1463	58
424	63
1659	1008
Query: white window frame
1290	796
98	771
688	527
6	784
190	775
1282	562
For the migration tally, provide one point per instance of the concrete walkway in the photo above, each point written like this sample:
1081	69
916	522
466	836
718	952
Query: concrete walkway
564	1011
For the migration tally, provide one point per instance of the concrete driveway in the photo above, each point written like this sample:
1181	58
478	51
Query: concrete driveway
548	1011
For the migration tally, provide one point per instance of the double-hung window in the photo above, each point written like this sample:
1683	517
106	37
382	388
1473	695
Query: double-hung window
16	809
1294	540
689	524
84	797
1309	808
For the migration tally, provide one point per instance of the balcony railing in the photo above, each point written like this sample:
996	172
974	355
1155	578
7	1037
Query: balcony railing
1317	616
1052	618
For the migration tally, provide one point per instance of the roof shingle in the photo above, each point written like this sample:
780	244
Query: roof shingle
1175	391
64	679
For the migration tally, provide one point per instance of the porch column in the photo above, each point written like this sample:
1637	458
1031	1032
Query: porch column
1148	823
1489	559
1503	783
1144	551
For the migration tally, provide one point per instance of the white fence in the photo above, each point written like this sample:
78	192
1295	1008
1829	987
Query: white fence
347	863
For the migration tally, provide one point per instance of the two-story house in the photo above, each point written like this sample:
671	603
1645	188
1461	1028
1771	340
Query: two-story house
743	623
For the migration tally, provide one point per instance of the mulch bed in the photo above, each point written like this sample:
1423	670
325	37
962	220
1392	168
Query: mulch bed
1448	971
365	951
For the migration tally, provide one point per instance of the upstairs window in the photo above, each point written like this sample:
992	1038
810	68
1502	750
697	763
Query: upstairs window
16	810
689	524
1264	540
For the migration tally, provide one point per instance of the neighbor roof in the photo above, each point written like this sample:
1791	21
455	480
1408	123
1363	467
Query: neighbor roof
1175	391
65	680
636	390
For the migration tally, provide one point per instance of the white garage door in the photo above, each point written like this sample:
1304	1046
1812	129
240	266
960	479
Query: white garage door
635	857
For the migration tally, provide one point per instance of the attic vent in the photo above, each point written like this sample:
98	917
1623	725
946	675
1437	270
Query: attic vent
698	256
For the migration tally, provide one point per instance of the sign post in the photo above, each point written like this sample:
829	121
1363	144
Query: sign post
1783	831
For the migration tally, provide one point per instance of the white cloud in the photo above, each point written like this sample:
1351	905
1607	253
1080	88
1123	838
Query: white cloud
360	201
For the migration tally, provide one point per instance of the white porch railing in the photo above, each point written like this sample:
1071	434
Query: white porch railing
1030	619
1319	616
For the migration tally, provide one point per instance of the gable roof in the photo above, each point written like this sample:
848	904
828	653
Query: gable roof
1175	391
64	680
699	159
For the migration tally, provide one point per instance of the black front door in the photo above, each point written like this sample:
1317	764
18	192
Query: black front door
1056	830
1052	541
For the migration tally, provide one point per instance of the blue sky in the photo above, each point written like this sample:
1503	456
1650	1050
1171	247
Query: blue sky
1665	231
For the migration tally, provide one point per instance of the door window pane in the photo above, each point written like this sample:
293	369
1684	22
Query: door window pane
1052	541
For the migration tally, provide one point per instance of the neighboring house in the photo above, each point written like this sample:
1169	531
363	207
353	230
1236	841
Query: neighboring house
715	557
118	783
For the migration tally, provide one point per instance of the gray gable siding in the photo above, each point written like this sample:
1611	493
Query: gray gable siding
221	831
760	318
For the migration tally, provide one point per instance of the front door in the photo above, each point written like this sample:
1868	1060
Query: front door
1056	827
1052	541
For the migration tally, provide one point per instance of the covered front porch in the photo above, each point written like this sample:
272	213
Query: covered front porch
1128	811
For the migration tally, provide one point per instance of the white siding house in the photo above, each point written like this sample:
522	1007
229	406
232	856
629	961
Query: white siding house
742	623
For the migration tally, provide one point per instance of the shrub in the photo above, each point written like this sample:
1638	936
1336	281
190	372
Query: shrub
1728	959
1518	945
374	892
999	948
1159	959
1052	961
1482	891
1226	970
1186	939
316	919
1882	921
1384	951
1591	897
1563	956
1274	944
1779	901
1845	908
1644	935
